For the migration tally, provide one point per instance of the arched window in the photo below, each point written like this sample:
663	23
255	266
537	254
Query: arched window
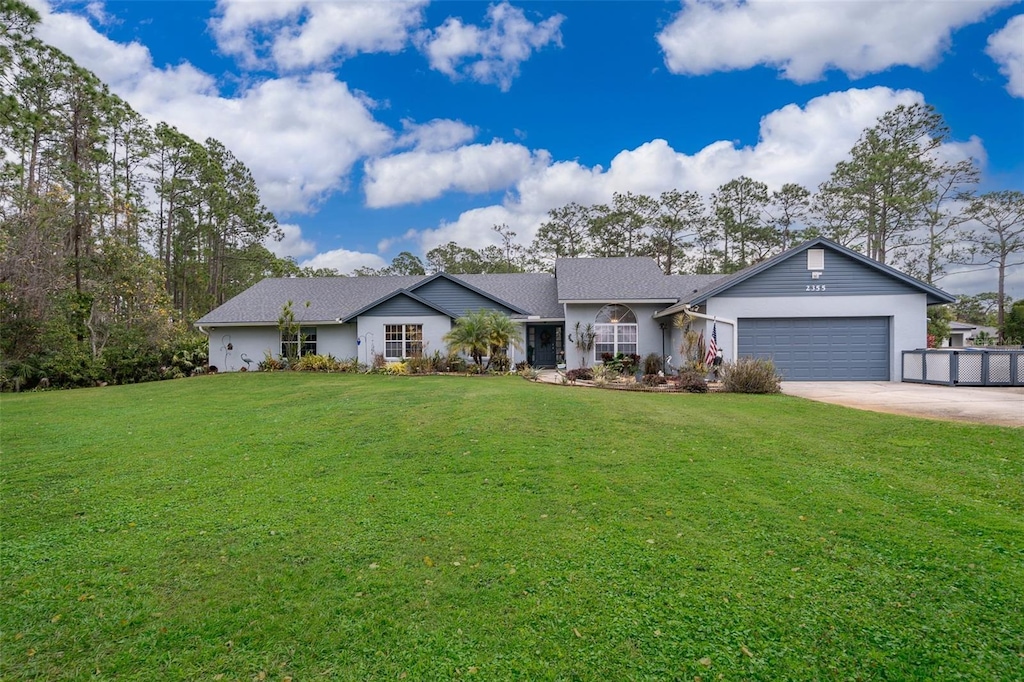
616	329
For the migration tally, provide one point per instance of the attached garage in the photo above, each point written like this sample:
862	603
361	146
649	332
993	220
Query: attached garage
820	348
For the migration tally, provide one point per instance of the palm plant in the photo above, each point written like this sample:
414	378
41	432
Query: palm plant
503	332
484	333
471	336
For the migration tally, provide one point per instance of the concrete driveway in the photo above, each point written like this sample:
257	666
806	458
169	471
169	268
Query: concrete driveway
988	405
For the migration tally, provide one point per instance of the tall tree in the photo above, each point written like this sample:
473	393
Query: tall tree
786	210
565	234
680	217
1000	242
513	255
454	259
739	207
888	182
941	241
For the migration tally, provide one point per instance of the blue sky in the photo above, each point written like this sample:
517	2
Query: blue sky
377	127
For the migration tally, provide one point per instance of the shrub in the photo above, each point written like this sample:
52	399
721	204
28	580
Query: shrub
581	374
348	365
316	363
605	373
455	363
751	375
270	363
652	364
396	368
528	372
499	363
692	380
420	365
623	364
653	379
379	362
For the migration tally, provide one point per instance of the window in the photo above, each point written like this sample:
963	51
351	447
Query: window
815	259
616	329
403	340
290	343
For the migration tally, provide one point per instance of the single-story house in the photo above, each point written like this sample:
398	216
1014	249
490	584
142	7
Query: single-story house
961	334
820	311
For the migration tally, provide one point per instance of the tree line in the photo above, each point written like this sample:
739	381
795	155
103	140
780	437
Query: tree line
114	234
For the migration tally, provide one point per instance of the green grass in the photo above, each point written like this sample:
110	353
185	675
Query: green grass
343	527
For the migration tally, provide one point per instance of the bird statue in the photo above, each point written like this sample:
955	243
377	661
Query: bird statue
247	360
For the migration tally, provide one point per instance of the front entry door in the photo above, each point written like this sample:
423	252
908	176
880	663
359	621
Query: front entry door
545	340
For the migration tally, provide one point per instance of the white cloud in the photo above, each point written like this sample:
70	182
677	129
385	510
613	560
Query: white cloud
344	261
292	245
492	54
1006	47
804	39
419	175
300	136
306	33
441	133
795	144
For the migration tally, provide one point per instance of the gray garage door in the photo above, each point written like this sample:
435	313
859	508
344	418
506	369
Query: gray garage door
820	348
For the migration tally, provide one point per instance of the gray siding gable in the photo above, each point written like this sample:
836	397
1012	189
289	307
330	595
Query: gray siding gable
842	276
400	305
457	298
846	273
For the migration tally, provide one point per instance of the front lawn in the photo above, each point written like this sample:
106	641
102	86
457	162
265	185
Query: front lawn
266	526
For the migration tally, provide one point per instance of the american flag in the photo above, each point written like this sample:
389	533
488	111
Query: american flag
713	346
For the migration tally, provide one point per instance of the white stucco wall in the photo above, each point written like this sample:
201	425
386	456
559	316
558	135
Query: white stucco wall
338	340
648	330
254	342
371	333
907	313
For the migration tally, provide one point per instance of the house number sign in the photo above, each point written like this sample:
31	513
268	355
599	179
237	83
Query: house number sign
815	287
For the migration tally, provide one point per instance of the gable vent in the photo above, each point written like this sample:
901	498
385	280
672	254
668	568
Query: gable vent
815	259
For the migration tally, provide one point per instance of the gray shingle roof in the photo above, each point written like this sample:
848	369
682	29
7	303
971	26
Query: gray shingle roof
622	279
329	298
582	279
536	293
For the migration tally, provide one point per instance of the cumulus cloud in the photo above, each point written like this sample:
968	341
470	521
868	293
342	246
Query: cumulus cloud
300	136
804	39
296	34
796	144
441	133
491	54
419	175
292	245
1006	47
344	261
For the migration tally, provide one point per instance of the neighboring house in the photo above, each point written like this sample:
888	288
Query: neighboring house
961	334
819	310
965	335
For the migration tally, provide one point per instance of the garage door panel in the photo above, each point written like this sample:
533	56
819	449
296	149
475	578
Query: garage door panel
820	348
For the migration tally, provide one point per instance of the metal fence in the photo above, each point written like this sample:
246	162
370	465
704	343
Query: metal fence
975	367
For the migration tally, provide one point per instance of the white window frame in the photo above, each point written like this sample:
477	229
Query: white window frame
307	337
815	259
408	336
624	336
